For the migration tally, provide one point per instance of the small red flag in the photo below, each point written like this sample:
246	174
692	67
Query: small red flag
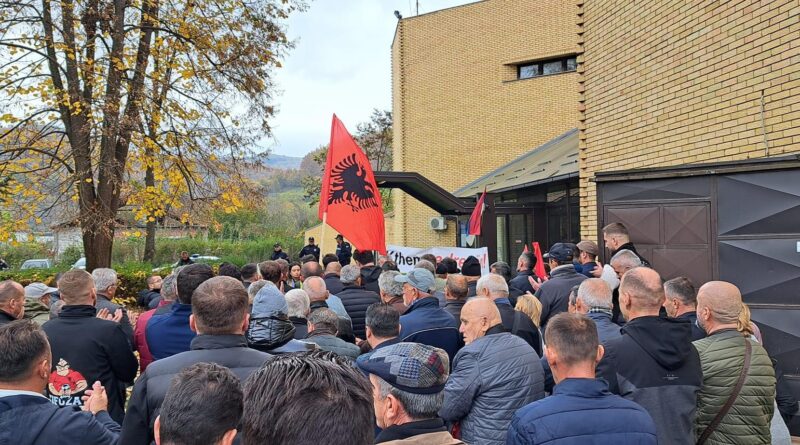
539	268
525	249
350	201
477	216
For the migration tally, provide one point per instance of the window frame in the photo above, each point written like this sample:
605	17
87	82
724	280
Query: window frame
539	66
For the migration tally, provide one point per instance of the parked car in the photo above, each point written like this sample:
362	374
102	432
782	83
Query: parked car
37	264
80	264
197	258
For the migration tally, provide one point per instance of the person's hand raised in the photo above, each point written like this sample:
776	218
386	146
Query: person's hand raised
95	399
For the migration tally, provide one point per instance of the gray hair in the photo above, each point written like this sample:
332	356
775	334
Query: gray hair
573	294
417	406
388	285
169	288
255	286
55	308
299	303
495	284
627	259
324	317
595	292
425	264
104	278
349	274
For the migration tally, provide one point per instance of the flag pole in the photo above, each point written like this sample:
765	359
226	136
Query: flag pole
322	241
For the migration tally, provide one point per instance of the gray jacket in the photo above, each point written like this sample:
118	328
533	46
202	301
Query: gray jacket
329	342
492	378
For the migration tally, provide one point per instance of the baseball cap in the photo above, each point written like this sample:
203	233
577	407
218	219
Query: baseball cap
410	367
422	279
37	290
589	247
561	252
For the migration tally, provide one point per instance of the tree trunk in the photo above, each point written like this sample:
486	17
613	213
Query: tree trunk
150	237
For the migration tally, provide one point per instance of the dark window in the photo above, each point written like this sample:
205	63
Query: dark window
545	67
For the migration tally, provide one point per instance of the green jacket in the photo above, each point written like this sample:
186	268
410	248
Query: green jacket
748	421
36	311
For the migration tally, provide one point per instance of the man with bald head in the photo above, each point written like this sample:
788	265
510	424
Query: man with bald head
654	363
726	356
493	376
320	298
12	301
495	288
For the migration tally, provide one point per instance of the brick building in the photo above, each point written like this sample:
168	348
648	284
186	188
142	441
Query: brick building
475	87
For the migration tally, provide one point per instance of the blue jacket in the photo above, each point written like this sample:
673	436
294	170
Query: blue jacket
425	322
606	329
582	411
33	420
170	334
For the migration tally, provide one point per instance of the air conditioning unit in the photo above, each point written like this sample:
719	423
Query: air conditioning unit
438	223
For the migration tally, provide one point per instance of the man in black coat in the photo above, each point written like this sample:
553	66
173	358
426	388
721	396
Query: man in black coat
86	349
344	251
278	253
220	317
617	238
494	287
310	249
681	303
369	271
525	265
12	301
554	293
356	298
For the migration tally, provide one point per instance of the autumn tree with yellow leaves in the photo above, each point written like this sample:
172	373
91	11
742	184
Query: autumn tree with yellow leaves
145	103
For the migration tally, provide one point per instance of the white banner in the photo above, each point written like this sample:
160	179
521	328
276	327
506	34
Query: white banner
407	257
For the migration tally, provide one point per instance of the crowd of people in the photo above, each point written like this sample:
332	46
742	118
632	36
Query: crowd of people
342	348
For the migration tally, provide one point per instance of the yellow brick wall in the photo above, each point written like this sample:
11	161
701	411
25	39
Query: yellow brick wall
671	82
459	111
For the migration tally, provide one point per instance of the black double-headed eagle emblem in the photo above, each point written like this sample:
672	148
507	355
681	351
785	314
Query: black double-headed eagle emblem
349	185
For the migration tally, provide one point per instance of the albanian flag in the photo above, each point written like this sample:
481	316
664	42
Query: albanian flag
477	216
539	268
350	201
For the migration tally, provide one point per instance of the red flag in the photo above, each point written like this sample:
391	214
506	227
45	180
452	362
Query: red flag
477	216
539	268
350	201
525	249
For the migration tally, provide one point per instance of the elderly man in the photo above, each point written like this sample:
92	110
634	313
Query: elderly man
38	297
320	298
356	298
621	262
517	322
408	382
12	301
220	318
169	294
594	300
87	349
493	376
738	389
299	308
554	292
392	291
106	283
681	303
314	269
323	325
456	289
652	362
424	321
581	409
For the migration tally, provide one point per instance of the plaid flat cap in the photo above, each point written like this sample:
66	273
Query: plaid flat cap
410	367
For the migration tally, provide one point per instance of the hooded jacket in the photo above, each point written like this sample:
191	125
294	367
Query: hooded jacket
492	378
654	364
88	349
274	333
230	351
47	424
369	277
356	300
36	311
554	293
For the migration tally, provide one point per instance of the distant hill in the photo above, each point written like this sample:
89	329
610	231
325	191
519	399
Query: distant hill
283	162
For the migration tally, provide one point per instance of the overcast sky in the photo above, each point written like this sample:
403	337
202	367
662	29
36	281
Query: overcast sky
341	64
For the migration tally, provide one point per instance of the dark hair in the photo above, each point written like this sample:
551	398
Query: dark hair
573	337
503	269
308	257
451	264
292	264
230	270
683	289
311	269
390	265
430	257
219	306
528	260
270	271
284	265
616	229
383	320
203	402
22	343
249	271
190	278
314	385
363	256
329	258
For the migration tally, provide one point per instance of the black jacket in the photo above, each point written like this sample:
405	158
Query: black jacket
454	308
521	282
333	283
616	314
230	351
632	248
33	420
274	333
697	331
279	255
300	327
5	318
655	365
344	252
310	250
93	350
554	293
147	296
369	278
356	300
104	303
519	324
